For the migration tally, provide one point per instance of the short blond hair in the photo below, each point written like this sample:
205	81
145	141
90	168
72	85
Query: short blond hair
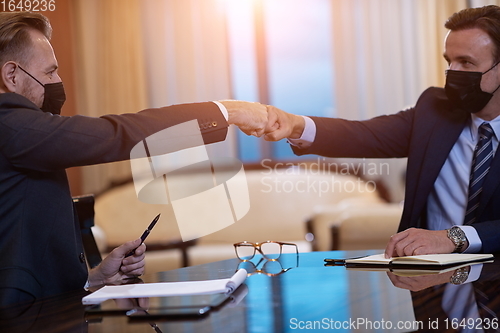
15	41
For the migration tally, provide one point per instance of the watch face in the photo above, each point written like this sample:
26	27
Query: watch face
458	233
457	236
459	278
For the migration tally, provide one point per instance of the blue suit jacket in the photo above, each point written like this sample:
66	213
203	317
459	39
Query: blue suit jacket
40	243
425	134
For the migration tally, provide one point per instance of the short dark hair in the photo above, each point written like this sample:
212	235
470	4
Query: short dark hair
15	41
486	18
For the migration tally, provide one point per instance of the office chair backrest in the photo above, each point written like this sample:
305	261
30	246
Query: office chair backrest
84	207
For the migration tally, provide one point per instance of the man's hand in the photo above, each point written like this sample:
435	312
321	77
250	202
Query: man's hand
283	125
250	117
417	283
116	267
412	242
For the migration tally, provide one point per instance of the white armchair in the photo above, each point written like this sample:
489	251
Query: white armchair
354	224
280	202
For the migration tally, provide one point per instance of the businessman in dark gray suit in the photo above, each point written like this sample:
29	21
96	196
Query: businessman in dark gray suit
452	202
40	242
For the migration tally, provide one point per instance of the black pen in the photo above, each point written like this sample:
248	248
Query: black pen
145	233
338	262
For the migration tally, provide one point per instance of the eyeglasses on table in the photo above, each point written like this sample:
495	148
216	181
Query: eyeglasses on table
270	250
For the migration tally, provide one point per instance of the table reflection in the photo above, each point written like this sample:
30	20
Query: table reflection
286	297
472	306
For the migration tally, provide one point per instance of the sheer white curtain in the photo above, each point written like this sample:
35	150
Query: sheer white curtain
385	53
186	51
187	56
110	71
136	54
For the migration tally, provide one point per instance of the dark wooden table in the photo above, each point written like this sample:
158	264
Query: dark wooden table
288	296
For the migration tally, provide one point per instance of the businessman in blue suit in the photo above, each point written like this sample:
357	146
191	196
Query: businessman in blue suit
452	198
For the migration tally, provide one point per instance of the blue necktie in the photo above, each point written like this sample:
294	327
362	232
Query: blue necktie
483	155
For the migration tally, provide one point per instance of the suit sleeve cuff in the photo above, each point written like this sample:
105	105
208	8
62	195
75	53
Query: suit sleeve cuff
308	135
475	243
222	109
475	273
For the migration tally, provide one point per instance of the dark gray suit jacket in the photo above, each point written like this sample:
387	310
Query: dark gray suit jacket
40	243
425	134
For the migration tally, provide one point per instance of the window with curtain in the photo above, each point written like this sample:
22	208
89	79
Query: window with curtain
353	59
280	53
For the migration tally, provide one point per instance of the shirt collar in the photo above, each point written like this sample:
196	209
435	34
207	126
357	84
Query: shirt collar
476	122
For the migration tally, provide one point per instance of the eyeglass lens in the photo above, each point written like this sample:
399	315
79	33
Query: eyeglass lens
245	251
271	250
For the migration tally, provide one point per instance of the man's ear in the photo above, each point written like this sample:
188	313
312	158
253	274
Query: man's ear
8	76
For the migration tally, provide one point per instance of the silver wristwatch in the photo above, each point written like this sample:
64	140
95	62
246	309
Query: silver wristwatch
457	236
460	275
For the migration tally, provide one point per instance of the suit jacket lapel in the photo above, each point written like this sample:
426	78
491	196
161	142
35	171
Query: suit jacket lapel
442	137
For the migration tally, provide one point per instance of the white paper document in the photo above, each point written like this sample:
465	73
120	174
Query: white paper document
167	289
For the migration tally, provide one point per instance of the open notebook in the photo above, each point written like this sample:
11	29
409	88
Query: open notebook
167	289
428	261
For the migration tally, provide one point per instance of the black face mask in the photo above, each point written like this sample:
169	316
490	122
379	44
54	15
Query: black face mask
54	95
464	90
